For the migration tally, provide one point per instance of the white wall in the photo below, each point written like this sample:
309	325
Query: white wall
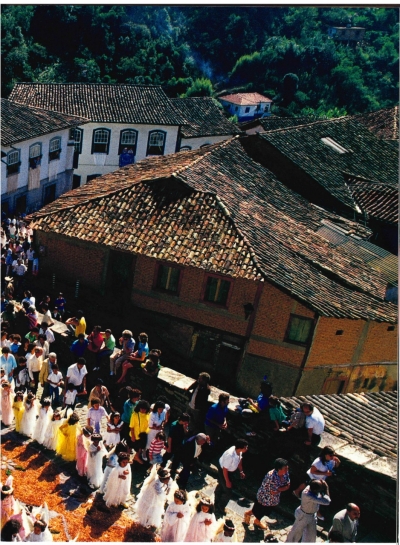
196	143
240	111
87	161
56	166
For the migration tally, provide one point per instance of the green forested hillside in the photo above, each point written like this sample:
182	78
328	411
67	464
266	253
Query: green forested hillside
198	50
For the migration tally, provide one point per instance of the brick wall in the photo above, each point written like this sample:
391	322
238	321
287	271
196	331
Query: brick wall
72	260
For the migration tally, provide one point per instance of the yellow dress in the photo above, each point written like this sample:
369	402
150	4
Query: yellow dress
18	409
67	440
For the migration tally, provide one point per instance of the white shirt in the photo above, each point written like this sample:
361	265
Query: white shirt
55	378
315	421
74	375
70	396
49	335
230	460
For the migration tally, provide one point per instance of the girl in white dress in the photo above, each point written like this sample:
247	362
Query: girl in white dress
112	436
28	421
176	519
51	434
7	399
156	422
118	487
202	526
95	461
156	489
43	422
112	462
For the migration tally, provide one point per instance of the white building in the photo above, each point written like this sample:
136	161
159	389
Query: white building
36	156
140	118
246	106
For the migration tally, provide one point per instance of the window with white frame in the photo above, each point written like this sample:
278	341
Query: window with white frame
156	143
35	155
55	148
128	139
13	162
185	148
101	141
78	139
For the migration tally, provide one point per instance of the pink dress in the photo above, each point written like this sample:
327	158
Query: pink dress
81	455
7	398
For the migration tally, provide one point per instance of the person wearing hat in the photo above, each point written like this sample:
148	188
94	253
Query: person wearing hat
149	507
226	533
187	456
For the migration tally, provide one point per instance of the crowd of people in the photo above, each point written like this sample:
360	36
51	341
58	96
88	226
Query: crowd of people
126	426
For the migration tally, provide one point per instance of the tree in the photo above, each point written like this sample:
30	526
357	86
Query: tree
202	87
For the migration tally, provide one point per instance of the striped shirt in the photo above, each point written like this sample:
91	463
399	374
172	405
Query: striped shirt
156	447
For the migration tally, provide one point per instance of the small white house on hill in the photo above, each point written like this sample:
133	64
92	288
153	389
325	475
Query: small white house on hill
247	106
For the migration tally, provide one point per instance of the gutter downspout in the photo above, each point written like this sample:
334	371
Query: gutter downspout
305	357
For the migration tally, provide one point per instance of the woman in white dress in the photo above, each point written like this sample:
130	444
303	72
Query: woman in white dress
118	486
51	434
176	519
28	421
202	526
157	421
156	489
95	461
43	422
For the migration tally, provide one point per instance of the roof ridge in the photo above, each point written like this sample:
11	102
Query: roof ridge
206	154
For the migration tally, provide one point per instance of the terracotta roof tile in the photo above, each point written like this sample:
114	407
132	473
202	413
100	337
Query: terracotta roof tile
369	420
101	102
273	122
366	156
379	201
19	123
382	123
245	99
203	117
215	199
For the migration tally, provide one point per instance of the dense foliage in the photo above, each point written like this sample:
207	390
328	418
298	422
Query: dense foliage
283	52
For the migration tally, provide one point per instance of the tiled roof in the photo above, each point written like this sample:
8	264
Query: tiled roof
203	118
375	256
245	99
383	123
217	209
368	420
379	201
19	123
273	122
101	102
366	157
